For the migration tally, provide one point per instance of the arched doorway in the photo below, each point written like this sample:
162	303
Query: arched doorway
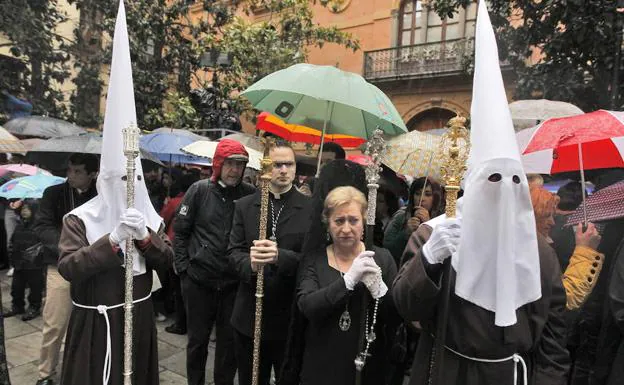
430	119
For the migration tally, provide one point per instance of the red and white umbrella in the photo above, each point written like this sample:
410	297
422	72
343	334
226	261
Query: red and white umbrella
555	145
583	142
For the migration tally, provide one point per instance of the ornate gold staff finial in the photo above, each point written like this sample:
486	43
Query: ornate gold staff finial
265	180
457	142
130	136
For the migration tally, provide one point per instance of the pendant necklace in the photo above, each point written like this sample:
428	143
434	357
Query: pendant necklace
344	323
274	220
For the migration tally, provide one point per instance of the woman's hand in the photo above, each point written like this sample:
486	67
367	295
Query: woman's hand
588	238
362	264
421	215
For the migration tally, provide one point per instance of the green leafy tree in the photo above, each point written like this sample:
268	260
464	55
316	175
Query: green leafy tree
577	42
167	45
30	29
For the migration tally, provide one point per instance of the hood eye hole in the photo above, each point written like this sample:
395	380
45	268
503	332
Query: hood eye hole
124	178
496	177
516	179
139	177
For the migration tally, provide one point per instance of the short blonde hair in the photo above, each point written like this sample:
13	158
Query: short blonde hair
341	196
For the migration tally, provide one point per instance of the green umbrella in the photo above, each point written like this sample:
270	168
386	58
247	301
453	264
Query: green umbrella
328	99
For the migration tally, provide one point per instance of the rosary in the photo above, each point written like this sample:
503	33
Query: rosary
274	220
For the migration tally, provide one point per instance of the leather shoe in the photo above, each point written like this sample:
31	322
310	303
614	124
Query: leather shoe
31	314
45	381
13	312
175	329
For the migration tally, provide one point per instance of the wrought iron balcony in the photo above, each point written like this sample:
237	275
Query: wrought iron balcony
419	61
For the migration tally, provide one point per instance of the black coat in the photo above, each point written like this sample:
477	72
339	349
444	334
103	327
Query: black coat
202	229
279	279
57	201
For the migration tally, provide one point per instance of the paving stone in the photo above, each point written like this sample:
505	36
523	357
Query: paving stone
15	327
24	374
23	349
170	378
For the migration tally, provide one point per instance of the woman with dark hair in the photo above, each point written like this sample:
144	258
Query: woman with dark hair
387	206
421	206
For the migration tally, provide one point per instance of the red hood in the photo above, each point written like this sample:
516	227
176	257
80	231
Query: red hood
225	149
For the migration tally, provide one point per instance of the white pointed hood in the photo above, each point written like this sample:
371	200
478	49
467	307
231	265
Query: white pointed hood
101	214
497	261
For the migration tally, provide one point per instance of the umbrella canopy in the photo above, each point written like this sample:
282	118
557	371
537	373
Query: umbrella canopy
25	169
603	205
88	143
295	133
247	140
528	113
416	154
28	186
539	162
326	98
597	136
206	149
42	126
9	143
166	145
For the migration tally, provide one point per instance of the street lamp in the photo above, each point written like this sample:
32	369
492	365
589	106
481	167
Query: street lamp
208	100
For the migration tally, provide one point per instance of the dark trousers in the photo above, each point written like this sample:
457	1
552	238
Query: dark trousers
271	357
34	280
178	300
206	307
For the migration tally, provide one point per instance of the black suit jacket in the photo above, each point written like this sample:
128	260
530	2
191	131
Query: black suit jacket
57	201
280	278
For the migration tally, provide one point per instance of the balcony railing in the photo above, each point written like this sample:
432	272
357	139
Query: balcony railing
419	61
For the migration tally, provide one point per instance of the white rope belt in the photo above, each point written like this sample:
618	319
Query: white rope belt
515	358
103	309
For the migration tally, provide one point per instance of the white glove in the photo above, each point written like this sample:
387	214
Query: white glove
362	264
375	284
443	242
131	225
134	219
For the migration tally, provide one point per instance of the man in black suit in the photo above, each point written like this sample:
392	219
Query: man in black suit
287	223
57	201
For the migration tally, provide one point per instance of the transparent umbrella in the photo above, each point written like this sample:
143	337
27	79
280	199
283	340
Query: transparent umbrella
529	113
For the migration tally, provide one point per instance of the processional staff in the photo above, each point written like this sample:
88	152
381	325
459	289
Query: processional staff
374	150
131	151
265	181
457	142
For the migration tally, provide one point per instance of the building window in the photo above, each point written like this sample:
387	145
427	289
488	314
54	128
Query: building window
410	22
419	23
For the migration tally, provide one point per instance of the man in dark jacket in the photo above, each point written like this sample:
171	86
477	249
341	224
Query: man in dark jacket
56	202
202	229
287	223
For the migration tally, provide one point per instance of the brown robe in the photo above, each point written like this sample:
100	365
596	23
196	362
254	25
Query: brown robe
97	278
538	336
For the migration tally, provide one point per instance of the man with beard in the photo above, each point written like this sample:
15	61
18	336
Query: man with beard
202	229
287	224
56	202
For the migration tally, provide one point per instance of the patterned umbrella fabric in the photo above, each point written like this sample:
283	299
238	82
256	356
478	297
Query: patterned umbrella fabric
603	205
296	133
600	135
416	154
9	143
42	126
28	186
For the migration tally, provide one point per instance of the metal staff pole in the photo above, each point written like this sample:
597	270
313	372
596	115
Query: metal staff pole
374	149
453	170
131	151
265	180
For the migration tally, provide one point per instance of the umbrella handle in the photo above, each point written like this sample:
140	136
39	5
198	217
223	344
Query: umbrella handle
581	167
327	117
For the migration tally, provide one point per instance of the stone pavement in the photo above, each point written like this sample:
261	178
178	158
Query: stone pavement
23	340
